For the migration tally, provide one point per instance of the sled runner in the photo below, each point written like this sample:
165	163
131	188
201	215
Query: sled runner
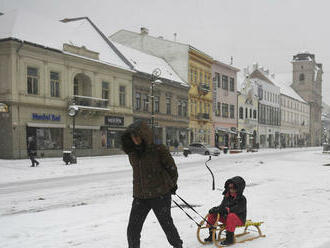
218	227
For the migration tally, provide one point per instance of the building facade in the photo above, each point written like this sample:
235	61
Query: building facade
224	131
192	65
307	82
40	81
248	103
269	118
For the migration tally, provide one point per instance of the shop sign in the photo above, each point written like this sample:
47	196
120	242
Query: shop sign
46	117
117	121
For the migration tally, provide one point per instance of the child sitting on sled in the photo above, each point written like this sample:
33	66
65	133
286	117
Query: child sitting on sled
232	209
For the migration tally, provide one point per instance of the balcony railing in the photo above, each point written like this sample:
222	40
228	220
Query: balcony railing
91	102
204	88
203	116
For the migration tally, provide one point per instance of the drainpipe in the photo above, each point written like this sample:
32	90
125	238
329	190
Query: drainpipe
18	110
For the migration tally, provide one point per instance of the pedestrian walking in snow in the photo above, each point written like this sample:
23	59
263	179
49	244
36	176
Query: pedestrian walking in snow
232	209
176	146
154	180
32	151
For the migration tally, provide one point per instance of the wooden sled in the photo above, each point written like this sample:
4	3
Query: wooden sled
221	227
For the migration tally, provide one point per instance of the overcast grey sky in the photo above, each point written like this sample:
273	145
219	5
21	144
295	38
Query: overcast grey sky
269	32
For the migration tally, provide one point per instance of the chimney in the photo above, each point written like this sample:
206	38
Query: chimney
144	31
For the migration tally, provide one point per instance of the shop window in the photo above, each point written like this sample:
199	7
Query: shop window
122	96
114	139
83	138
54	84
46	138
32	80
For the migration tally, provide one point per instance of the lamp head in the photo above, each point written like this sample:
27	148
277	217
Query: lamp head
73	110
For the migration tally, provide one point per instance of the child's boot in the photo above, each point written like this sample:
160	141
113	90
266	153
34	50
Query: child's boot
210	237
229	239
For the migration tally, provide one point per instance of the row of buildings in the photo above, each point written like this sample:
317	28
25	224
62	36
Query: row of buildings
56	64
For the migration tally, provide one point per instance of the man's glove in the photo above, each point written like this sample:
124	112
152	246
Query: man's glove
214	210
174	189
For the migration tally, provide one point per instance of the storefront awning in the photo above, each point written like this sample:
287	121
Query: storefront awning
224	130
86	127
51	125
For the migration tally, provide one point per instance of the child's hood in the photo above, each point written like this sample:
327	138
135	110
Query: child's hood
239	185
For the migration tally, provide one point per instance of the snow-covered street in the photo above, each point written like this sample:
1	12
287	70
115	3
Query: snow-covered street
88	204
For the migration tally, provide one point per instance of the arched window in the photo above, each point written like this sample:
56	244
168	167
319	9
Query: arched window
301	77
241	113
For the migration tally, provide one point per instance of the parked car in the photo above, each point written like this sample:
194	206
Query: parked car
201	148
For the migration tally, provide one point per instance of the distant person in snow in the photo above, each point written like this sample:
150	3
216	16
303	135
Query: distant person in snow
32	151
176	146
232	209
155	178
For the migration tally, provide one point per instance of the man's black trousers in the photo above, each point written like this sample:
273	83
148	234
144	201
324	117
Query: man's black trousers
162	209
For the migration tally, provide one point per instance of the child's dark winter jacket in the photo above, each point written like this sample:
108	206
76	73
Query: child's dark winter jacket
154	170
236	204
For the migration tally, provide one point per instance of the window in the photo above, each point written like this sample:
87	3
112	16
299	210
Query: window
184	108
47	138
75	87
137	100
145	102
301	77
250	113
195	72
54	84
32	80
168	105
218	111
114	139
200	76
217	79
122	95
246	113
260	93
241	113
83	138
232	84
179	108
105	90
254	114
191	74
156	101
232	111
225	82
225	110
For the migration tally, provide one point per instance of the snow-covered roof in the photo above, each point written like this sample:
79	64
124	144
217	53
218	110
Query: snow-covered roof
147	63
284	82
34	28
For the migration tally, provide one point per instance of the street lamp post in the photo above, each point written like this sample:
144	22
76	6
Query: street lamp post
73	111
154	81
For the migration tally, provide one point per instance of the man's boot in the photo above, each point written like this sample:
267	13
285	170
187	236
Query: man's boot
209	239
229	239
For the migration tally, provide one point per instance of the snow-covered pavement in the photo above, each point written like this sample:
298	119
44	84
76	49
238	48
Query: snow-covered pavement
88	204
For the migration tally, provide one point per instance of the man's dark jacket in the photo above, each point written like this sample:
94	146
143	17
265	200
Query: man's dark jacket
236	205
154	170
